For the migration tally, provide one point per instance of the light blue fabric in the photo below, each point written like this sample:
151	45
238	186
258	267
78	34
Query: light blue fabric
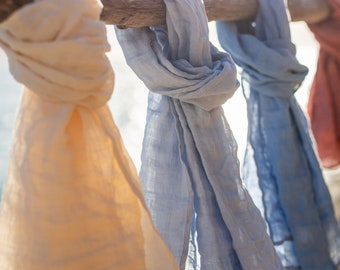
190	171
281	170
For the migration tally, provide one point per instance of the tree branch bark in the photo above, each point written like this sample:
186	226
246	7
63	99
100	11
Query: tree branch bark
310	11
7	7
139	13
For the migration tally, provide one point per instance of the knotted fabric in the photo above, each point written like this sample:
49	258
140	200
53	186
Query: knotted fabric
190	171
72	199
281	170
324	98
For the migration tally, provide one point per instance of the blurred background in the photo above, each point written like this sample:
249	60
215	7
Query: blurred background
129	102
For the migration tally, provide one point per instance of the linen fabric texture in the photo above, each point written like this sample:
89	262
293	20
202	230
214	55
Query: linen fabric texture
324	97
190	171
72	199
281	170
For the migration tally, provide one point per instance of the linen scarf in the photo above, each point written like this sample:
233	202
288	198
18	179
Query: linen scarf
190	172
324	98
280	169
72	199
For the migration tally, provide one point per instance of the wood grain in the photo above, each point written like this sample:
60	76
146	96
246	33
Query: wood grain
139	13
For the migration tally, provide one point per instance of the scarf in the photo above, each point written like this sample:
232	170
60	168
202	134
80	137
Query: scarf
280	169
72	199
190	171
324	99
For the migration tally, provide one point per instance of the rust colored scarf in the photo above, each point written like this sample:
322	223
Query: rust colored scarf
324	100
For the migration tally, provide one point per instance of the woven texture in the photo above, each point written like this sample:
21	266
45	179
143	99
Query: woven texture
72	199
324	98
281	170
190	171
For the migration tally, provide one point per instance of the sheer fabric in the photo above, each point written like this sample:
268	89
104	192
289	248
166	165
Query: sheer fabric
281	170
324	98
190	172
72	199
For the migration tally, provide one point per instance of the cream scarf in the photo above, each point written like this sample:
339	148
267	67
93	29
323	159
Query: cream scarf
72	199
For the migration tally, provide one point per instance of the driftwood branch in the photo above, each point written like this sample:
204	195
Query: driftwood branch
139	13
7	7
310	11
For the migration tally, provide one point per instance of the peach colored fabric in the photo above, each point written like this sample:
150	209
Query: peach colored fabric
72	199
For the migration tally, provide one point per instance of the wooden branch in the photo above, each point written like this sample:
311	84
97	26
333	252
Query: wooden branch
310	11
7	7
139	13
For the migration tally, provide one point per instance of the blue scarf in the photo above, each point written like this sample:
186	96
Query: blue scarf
280	169
190	171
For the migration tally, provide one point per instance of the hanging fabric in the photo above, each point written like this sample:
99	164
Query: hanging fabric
72	199
190	172
324	98
280	169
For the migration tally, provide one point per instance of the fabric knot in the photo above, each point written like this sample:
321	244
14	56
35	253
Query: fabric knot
324	98
280	169
327	32
72	198
205	86
189	171
268	57
64	59
189	67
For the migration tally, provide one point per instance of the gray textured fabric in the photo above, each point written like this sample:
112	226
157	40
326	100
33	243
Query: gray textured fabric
190	171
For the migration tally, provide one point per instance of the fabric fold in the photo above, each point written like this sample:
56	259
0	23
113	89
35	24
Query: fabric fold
72	199
281	170
324	98
190	171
